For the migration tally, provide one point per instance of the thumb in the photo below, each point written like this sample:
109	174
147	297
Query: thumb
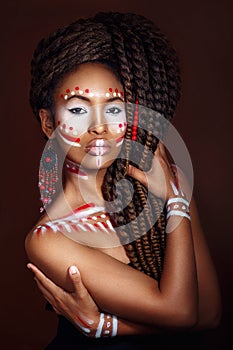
76	280
137	174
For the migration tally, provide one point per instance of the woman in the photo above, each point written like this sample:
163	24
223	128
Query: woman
103	89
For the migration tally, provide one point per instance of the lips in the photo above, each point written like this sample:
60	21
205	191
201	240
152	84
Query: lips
98	147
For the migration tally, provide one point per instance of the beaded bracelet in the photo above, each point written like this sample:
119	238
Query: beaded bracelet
107	326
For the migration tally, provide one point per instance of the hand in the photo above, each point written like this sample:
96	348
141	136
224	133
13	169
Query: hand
160	179
78	307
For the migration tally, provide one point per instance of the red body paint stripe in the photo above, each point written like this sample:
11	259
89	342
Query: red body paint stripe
77	171
82	322
70	138
119	139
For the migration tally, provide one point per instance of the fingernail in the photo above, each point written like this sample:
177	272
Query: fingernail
29	266
73	270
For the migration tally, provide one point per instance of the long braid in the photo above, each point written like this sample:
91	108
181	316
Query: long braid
148	69
138	250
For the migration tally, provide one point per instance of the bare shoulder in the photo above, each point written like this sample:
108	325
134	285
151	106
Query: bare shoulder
53	253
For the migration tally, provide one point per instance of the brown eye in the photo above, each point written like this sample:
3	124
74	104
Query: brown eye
77	110
114	110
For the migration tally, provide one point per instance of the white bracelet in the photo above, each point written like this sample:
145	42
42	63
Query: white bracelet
114	325
100	326
178	213
104	330
177	206
178	200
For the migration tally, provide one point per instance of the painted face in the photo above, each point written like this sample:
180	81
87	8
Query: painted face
90	115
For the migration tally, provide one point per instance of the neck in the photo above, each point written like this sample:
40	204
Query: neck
81	184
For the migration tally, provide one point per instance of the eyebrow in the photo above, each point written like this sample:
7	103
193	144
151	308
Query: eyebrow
84	98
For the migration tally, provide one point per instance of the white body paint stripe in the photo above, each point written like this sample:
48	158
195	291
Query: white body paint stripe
178	213
114	325
100	326
108	222
84	329
119	143
177	200
102	226
175	190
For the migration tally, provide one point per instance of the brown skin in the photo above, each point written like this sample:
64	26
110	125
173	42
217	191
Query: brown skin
188	280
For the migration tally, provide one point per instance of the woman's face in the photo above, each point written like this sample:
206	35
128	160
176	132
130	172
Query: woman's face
90	116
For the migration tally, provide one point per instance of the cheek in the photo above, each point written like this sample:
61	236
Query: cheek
118	128
72	126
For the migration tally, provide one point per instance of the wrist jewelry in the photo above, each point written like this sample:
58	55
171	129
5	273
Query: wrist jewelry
107	326
177	206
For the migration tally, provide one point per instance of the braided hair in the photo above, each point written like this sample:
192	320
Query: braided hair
148	68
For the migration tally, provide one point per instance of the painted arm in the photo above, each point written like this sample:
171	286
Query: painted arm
71	304
109	281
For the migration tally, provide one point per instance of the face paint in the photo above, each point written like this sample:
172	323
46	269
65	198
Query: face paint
77	117
98	162
92	93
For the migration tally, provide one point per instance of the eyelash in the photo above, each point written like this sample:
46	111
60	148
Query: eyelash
76	109
114	108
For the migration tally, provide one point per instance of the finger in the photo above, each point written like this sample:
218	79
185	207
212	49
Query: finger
35	270
79	288
45	281
46	294
137	174
163	153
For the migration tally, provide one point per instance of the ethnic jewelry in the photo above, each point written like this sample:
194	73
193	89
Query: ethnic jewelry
135	122
107	326
177	206
48	175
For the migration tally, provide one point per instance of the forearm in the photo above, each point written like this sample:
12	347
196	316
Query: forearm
172	304
178	284
209	295
128	293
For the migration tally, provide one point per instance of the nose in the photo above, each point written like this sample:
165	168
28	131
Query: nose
98	125
98	129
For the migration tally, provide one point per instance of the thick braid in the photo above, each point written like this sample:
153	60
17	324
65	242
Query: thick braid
139	77
56	57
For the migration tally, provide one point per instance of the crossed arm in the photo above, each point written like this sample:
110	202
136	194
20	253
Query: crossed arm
187	295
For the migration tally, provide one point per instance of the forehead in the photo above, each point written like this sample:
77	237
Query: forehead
93	76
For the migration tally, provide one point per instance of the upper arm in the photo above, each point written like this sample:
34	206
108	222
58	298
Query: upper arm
116	287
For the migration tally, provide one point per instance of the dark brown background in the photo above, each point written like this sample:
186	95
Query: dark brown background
201	31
